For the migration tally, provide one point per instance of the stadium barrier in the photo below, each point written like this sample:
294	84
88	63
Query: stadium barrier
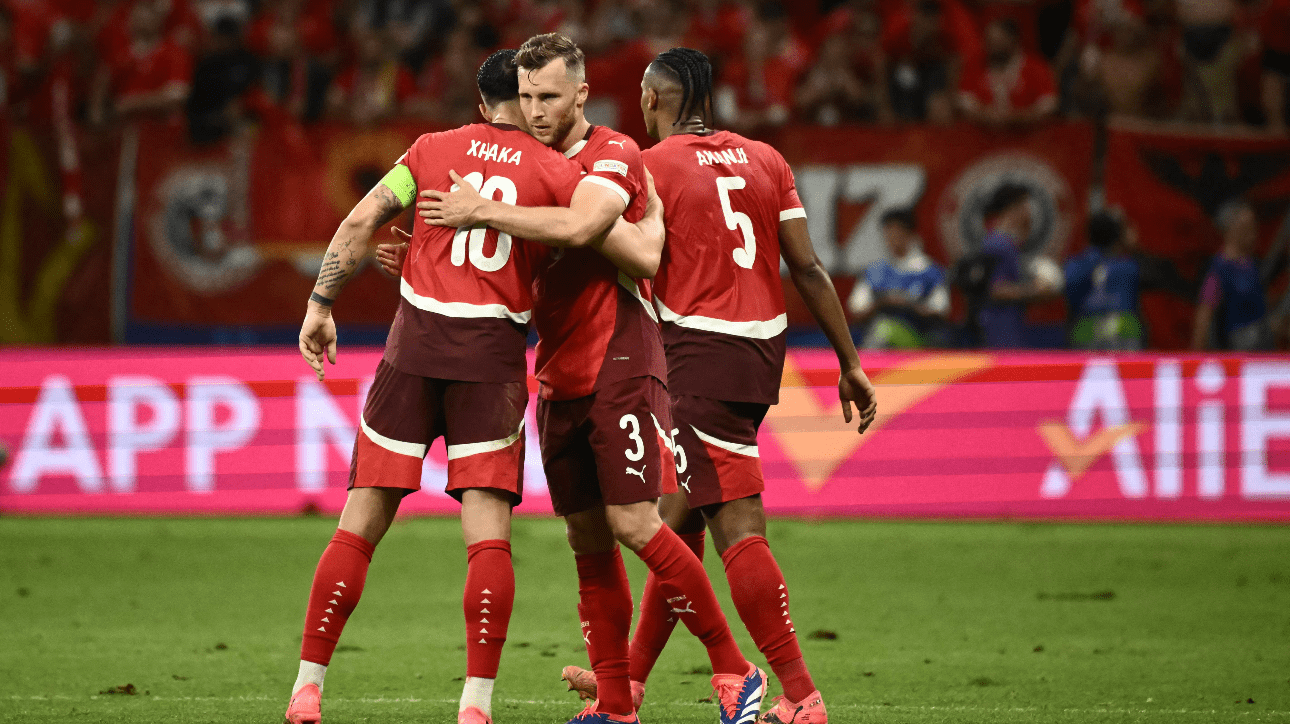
224	431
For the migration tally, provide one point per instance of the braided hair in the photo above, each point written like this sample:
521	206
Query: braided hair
692	70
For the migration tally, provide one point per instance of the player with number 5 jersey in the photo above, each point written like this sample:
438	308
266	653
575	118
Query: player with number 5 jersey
732	214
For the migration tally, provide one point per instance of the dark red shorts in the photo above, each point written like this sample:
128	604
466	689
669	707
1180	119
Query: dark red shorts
481	422
716	449
612	447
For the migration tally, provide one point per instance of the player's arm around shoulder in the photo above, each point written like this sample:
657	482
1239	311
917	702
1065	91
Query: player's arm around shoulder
348	246
637	249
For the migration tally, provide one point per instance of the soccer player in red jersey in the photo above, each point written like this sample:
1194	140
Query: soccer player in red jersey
454	366
732	213
603	412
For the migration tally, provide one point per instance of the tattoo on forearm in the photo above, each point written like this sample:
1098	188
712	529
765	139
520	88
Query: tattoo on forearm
340	263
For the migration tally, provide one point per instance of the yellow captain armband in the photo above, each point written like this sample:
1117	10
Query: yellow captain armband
400	181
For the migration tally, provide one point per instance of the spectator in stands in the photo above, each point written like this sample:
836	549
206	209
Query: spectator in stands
1011	288
446	86
1012	88
413	28
1102	286
848	81
756	90
1274	24
1212	53
148	76
296	44
375	87
904	298
925	50
1127	78
226	72
1232	313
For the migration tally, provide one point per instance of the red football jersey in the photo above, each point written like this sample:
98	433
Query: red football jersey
596	325
467	293
718	289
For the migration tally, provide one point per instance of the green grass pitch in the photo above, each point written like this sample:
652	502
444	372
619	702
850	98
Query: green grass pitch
934	622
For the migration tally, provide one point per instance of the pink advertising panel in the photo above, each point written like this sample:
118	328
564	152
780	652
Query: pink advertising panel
220	431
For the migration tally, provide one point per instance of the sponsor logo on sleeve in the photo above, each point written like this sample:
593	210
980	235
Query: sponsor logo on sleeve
611	166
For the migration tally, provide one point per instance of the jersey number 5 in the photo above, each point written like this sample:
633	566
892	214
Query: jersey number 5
475	235
737	219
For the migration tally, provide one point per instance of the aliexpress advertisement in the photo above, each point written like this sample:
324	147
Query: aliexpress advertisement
1046	436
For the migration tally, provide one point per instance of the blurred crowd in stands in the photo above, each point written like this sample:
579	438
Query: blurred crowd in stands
212	65
996	62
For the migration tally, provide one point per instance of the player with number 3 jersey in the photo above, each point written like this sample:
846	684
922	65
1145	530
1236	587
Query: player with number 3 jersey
732	214
603	414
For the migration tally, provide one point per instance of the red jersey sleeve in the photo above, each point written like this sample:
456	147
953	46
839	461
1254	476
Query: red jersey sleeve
975	85
618	167
1037	83
790	205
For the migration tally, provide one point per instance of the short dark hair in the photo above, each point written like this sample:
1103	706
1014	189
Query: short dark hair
1105	229
1004	197
497	80
692	70
540	50
905	217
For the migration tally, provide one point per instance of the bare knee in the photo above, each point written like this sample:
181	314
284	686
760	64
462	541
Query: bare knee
485	515
634	525
675	512
369	512
735	521
589	532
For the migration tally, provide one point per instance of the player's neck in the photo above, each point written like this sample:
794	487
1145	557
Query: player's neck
693	126
506	116
577	133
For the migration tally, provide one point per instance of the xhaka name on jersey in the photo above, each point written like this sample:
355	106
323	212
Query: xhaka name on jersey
490	152
724	156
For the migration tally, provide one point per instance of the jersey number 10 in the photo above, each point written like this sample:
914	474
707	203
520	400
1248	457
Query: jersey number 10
475	235
737	219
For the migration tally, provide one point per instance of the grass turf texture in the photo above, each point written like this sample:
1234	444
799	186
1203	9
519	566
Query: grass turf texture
934	622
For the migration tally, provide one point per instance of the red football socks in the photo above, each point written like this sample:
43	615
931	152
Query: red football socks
605	608
689	596
656	622
761	597
338	584
487	602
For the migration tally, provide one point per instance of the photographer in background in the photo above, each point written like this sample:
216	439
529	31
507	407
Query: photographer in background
1102	285
1011	286
904	298
1232	312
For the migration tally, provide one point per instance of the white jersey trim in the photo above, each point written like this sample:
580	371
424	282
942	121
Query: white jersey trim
630	285
797	213
411	449
734	447
456	452
573	151
602	181
461	310
753	330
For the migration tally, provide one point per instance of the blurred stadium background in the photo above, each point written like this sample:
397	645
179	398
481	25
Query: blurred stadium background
173	169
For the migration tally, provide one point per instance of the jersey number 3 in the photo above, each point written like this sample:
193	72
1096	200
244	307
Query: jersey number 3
737	219
475	235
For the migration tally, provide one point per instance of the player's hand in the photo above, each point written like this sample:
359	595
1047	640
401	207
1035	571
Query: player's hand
390	257
854	387
318	336
463	206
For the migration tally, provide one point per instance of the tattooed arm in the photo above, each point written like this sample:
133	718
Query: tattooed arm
348	246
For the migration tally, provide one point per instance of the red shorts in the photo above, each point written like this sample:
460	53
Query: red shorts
612	447
716	449
481	422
